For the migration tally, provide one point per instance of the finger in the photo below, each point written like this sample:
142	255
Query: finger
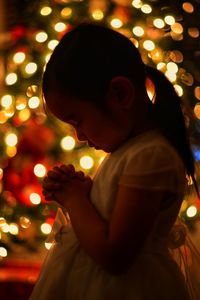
53	174
68	170
80	175
51	186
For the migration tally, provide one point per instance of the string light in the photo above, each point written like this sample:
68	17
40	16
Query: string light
45	11
178	89
24	222
66	12
31	68
191	211
39	170
188	7
159	23
116	23
41	37
149	45
34	102
137	3
146	9
48	245
86	162
45	228
138	31
6	101
35	198
67	143
170	20
3	252
197	92
52	44
60	26
11	79
24	114
13	228
19	57
97	14
1	176
11	139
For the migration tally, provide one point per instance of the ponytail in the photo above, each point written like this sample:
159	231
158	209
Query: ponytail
167	113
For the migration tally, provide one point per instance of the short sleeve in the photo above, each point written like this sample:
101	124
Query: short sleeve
155	168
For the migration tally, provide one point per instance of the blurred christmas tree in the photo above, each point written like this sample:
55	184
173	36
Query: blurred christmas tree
167	35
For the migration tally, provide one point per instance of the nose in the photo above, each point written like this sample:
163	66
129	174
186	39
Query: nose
80	136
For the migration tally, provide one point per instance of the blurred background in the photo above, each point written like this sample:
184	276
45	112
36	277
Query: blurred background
167	34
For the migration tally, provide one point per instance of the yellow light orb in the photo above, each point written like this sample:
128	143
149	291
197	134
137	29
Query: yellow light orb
11	151
34	102
67	143
35	198
170	75
148	45
45	11
9	112
66	12
3	252
20	103
178	89
19	57
13	228
197	92
47	57
1	176
41	37
39	170
24	222
116	23
24	114
2	221
52	44
146	9
31	90
197	110
5	228
11	139
60	26
86	162
11	79
160	65
31	68
191	211
97	14
3	117
48	245
159	23
6	101
138	31
177	28
45	228
172	67
170	20
137	3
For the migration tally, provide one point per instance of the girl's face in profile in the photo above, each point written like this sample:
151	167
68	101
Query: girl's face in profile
100	129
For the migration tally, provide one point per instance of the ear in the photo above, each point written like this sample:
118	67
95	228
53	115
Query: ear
121	92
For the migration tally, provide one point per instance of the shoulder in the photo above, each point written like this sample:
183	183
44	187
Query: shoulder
152	162
152	152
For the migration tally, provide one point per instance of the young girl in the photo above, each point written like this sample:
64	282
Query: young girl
116	244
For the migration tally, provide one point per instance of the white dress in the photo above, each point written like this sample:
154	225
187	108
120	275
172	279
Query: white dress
146	161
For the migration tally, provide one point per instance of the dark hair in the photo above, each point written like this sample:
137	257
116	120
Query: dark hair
90	55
